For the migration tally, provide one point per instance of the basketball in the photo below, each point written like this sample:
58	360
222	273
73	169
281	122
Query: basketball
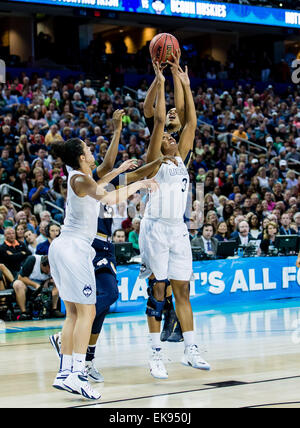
162	46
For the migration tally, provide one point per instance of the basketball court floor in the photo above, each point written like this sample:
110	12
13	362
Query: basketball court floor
253	352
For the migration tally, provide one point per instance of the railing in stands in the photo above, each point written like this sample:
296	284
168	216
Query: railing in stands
8	186
51	204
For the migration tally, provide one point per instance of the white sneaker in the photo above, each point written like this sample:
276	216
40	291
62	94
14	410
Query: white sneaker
78	383
157	368
92	372
59	381
55	340
193	358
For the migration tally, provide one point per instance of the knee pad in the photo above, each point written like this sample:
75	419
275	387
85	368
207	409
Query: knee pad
155	307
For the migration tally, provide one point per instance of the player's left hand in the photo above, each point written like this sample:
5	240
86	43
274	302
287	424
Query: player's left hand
117	119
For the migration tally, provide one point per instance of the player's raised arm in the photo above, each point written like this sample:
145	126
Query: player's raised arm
154	149
150	99
111	154
85	185
178	89
188	134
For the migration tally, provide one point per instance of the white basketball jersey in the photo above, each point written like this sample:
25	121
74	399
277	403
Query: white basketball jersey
81	218
168	203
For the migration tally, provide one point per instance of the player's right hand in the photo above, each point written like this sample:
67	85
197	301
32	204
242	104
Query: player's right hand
150	184
158	69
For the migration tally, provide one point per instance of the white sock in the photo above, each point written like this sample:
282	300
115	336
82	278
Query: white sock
189	338
66	362
78	362
155	340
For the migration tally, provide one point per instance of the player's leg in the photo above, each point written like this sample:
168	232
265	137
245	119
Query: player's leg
180	272
184	312
155	305
171	328
107	294
66	347
77	381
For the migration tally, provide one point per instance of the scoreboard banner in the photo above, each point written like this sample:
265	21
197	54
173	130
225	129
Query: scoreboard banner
226	12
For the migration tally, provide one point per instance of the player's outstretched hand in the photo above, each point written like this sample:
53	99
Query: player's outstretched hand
117	119
176	60
128	164
158	69
166	158
298	262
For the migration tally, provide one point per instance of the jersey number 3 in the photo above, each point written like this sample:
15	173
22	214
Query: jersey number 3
184	184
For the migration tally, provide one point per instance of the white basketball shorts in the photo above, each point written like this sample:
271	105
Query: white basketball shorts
71	265
166	250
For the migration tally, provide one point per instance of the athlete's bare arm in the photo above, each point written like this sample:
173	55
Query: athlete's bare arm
188	134
148	169
178	89
154	149
84	185
111	154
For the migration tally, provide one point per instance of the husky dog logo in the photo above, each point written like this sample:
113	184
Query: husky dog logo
87	291
158	6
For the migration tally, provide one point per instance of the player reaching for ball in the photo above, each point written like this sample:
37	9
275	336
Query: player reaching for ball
164	239
175	121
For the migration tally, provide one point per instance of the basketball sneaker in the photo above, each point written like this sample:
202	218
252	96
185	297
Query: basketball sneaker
176	335
157	367
193	358
92	372
55	340
59	381
77	382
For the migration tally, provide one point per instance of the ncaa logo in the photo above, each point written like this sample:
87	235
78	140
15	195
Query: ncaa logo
87	291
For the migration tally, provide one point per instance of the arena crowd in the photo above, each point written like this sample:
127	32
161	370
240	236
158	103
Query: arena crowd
251	191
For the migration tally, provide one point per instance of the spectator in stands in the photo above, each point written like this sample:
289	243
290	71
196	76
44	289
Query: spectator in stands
53	135
133	236
243	236
38	192
31	241
52	231
21	218
206	242
33	275
296	219
269	237
222	232
11	211
285	228
253	225
119	236
23	183
12	252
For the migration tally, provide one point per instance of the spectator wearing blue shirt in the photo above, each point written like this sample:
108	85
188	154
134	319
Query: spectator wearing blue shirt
7	163
37	193
12	101
52	231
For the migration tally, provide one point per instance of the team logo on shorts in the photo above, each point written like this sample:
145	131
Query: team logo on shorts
87	291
